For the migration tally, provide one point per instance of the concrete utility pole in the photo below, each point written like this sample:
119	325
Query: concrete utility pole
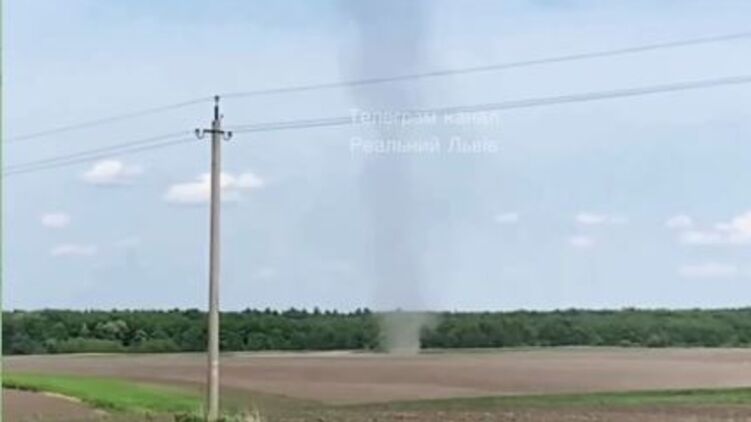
217	134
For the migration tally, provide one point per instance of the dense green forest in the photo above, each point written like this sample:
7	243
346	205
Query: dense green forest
64	331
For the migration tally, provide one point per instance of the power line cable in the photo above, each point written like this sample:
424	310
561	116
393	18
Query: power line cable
510	105
106	120
66	163
341	121
399	78
95	154
495	67
108	148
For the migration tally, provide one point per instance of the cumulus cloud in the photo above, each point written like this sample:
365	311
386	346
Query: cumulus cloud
265	273
199	191
248	180
73	250
506	218
581	241
590	218
737	231
111	172
740	225
55	220
679	222
709	270
700	237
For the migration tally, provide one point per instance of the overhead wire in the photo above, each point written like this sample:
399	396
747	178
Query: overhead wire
150	144
388	79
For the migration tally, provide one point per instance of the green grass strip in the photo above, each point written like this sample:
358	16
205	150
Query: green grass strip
108	393
696	397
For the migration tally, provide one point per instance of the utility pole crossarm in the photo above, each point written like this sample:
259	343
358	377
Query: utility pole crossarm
216	127
217	134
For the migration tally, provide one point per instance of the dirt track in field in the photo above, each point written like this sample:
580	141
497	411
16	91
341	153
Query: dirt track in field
21	406
361	377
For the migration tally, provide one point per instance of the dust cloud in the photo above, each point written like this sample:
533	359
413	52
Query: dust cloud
388	40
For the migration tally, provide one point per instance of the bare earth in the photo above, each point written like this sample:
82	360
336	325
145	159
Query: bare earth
655	414
362	377
25	406
348	378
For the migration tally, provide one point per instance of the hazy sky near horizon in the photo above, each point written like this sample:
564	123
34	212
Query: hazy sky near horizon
641	201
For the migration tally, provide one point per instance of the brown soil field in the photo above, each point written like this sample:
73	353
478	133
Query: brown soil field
314	385
343	377
21	406
649	414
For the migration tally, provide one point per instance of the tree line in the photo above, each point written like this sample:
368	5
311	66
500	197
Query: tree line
72	331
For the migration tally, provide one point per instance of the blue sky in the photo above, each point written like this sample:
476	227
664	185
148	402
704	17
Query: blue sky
630	202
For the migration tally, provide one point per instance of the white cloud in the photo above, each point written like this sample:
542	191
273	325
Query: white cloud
111	172
739	226
708	270
734	232
73	249
265	273
581	241
699	237
589	218
55	220
506	218
199	191
679	222
249	180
